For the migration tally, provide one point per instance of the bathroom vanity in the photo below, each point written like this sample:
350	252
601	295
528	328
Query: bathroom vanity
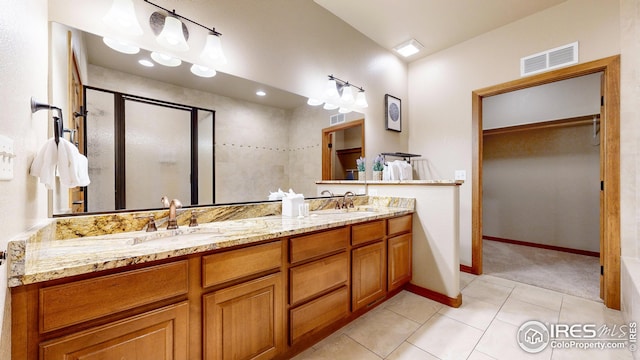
435	235
248	288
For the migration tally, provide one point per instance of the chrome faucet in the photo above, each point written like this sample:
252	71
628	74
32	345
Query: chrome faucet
346	197
173	205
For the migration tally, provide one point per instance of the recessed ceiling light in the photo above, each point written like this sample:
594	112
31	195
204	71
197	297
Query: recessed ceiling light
145	62
408	48
261	93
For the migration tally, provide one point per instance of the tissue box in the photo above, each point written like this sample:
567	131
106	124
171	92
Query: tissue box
291	205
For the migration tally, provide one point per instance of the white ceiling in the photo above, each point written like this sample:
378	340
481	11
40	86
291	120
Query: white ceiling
436	24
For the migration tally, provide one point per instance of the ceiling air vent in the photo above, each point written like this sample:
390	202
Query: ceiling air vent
336	119
549	60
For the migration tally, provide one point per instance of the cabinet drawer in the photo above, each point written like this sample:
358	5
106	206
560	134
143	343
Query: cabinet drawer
236	264
311	246
73	303
370	231
313	278
319	313
159	334
399	225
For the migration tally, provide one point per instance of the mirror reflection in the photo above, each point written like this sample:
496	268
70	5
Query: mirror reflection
247	146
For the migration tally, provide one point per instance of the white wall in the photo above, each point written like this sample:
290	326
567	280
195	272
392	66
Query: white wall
543	186
555	101
23	70
630	156
440	85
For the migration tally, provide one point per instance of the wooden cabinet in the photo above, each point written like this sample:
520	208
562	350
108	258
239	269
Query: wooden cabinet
368	273
236	303
399	254
319	313
79	301
156	335
309	280
399	251
245	321
318	282
242	263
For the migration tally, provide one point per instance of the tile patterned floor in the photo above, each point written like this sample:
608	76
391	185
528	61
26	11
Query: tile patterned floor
410	327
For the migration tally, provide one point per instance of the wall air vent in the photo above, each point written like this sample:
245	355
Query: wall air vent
549	60
336	119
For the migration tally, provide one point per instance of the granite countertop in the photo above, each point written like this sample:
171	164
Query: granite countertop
394	182
42	256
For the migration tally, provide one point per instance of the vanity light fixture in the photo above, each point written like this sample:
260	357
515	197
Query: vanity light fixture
121	46
172	33
164	59
408	48
203	71
338	94
212	52
122	17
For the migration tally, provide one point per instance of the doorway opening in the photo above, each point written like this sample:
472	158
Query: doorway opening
609	174
341	145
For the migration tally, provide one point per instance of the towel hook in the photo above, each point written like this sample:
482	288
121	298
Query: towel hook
58	123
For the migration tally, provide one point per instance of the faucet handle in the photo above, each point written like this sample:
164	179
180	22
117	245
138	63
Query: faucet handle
193	222
151	225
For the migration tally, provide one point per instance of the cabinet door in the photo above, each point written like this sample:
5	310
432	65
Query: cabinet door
160	334
368	271
399	255
245	321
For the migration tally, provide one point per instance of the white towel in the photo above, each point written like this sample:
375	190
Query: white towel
71	165
400	170
45	162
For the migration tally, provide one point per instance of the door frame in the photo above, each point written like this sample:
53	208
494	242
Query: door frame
327	160
610	136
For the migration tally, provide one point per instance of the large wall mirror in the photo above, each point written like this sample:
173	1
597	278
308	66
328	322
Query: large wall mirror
246	146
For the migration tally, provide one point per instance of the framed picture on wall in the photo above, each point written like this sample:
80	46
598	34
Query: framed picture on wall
393	115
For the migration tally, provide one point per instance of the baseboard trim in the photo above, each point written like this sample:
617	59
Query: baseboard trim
435	296
541	246
467	269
